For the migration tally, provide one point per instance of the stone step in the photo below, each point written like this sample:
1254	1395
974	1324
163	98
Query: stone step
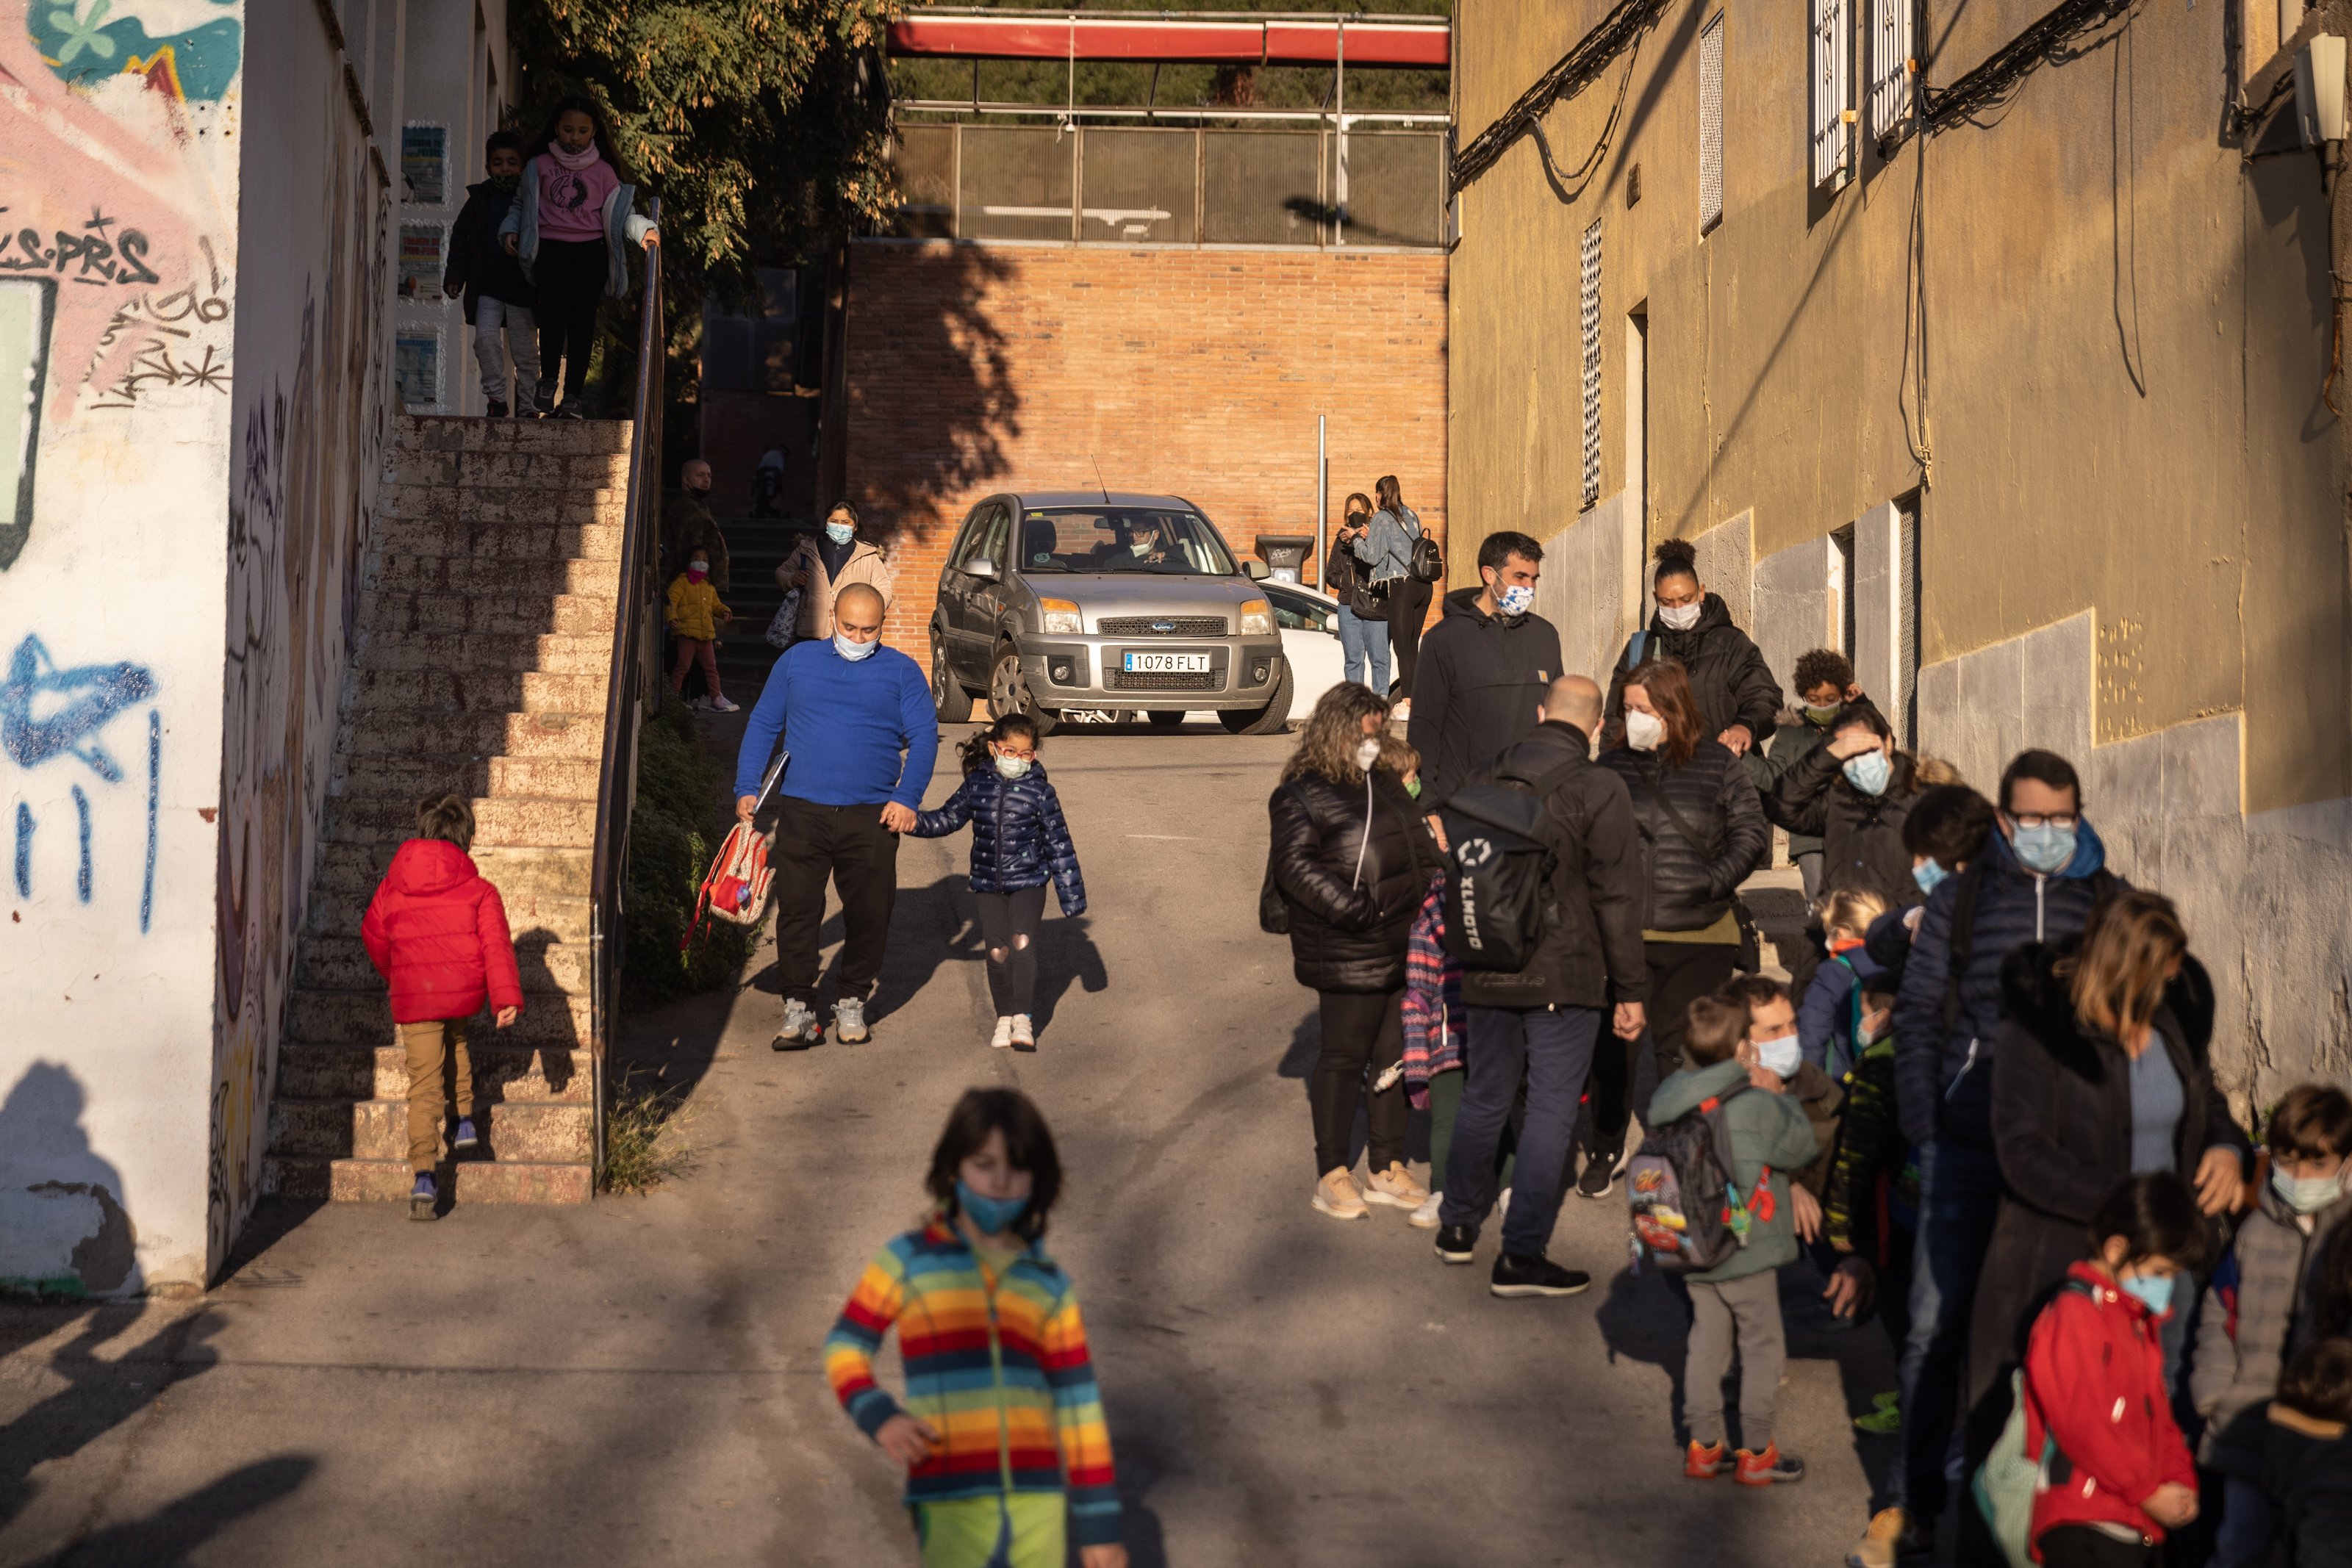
511	468
388	1181
483	652
503	1073
478	432
384	614
539	1132
534	820
481	538
339	963
546	876
412	506
442	574
468	737
411	779
336	912
381	691
365	1017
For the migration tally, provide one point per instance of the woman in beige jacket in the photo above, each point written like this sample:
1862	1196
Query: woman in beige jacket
827	562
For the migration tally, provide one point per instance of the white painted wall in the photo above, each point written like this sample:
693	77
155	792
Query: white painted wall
455	77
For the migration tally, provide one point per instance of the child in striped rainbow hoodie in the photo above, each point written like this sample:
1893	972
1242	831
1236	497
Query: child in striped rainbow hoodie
1007	1455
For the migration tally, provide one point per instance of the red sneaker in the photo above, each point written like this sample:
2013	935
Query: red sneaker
1771	1465
1705	1463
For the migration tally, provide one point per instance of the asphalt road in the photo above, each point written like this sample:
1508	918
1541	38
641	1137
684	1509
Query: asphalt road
638	1381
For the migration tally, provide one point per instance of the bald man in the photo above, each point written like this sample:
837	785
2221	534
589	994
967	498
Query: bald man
1542	1024
859	737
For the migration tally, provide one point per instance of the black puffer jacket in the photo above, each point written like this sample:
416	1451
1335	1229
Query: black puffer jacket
1862	835
1688	890
2062	1117
1728	678
1348	927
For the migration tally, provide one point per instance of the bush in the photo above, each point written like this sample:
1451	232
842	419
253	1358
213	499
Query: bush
676	827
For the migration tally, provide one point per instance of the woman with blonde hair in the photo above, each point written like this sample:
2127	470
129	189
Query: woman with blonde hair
2101	1073
1350	858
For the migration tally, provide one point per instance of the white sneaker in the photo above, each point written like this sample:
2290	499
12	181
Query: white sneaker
1503	1206
1025	1033
1425	1217
720	705
1004	1035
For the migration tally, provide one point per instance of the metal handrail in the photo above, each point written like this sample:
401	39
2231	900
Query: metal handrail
627	684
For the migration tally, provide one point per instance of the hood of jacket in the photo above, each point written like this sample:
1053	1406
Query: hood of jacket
1682	1092
1545	747
2035	995
2090	853
423	867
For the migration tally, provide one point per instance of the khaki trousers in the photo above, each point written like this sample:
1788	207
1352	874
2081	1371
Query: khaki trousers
429	1045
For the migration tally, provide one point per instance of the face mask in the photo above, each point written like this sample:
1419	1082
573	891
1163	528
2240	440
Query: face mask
2307	1195
1821	717
2155	1291
1139	547
2045	849
1367	752
1869	772
1679	617
1928	875
507	182
696	570
1014	767
1515	600
1781	1054
995	1216
840	533
853	651
1644	731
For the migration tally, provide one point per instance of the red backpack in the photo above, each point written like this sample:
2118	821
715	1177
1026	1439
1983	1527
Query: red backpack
737	886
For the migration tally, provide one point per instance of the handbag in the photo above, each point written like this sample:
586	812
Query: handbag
786	624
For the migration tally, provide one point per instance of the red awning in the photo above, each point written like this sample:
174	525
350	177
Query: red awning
1206	42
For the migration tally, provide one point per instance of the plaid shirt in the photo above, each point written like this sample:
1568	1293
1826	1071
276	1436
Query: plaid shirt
1433	999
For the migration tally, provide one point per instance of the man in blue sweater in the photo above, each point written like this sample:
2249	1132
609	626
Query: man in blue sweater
848	710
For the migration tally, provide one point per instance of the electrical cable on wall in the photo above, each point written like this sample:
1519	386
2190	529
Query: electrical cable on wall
1570	75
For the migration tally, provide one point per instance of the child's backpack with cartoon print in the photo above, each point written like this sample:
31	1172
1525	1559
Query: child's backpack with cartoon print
1689	1215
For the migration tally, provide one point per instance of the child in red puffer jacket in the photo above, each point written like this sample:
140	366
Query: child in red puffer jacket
438	930
2115	1473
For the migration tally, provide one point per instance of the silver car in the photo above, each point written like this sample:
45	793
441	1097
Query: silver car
1098	602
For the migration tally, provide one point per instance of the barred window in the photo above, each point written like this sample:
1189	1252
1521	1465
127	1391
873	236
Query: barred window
1710	126
1589	323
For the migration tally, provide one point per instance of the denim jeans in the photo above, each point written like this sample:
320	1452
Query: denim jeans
1360	639
1553	1048
2248	1523
1959	1198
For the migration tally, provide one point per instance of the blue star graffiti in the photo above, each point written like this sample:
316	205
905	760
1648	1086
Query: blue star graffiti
47	713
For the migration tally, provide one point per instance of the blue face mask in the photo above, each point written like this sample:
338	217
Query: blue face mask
2307	1195
2155	1291
2045	849
840	533
1928	875
1515	600
995	1216
1869	772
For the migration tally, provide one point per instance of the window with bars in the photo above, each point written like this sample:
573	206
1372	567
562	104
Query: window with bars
1588	324
1832	88
1890	64
1710	125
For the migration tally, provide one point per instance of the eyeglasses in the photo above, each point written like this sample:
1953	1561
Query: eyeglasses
2055	820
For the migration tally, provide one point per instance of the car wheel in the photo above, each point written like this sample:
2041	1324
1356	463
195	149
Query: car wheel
948	693
1164	720
1271	719
1008	692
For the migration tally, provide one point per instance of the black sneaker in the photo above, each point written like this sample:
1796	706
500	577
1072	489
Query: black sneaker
498	409
1536	1275
571	409
1455	1242
1600	1174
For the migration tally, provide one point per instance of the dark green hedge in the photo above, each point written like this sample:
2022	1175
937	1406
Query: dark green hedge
678	825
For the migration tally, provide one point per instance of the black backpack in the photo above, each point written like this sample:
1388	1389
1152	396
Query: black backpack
1688	1216
1498	867
1428	560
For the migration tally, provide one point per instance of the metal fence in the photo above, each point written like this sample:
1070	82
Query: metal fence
1164	185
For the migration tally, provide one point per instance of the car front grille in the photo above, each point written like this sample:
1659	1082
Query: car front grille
1163	626
1137	681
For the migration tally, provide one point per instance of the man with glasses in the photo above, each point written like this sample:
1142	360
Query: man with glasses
2035	880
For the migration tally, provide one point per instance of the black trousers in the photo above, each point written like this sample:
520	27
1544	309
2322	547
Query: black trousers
849	846
1408	605
1680	973
1362	1030
2080	1546
570	274
1008	924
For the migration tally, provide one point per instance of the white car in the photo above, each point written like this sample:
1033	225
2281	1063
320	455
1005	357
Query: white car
1310	624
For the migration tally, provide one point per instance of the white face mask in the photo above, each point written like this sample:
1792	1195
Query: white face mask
1368	751
1013	766
1516	600
1780	1054
840	533
853	651
1679	617
1644	731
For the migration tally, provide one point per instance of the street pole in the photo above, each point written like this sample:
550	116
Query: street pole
1322	502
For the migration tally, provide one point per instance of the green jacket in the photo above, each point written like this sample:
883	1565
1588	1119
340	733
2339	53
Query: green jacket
1766	1129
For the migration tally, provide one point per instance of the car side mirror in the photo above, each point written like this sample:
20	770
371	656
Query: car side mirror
981	567
1256	571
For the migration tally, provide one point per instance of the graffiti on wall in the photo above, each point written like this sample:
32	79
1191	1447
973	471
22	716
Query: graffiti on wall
180	48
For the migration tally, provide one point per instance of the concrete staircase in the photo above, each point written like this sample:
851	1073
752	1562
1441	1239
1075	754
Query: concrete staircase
480	662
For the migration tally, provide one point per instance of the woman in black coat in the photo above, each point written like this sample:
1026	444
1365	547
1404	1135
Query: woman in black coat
2101	1073
1853	792
1702	832
1733	693
1352	859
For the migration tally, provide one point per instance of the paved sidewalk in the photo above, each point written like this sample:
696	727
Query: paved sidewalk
638	1382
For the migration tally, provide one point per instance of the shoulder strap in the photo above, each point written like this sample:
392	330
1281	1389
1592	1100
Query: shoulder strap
1681	826
1963	938
1635	645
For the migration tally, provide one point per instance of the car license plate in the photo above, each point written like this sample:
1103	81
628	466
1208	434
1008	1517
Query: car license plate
1168	664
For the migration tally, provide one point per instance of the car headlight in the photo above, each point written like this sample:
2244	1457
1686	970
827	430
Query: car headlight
1257	618
1057	617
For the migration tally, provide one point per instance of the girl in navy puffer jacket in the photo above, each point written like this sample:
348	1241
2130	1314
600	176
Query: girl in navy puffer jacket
1019	842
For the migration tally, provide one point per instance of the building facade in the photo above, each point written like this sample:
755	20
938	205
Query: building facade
1962	341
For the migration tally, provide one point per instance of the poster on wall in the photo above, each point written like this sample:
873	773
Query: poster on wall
420	261
416	371
425	164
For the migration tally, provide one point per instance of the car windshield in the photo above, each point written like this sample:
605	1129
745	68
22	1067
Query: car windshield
1122	539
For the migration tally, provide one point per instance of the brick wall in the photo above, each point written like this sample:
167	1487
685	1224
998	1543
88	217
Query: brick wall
973	369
